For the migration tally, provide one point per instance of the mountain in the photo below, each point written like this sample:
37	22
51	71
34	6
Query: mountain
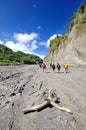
71	47
8	57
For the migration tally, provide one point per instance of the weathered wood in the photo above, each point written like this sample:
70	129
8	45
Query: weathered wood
51	99
35	108
60	108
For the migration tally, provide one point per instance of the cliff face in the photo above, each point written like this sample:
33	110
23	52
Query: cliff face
72	50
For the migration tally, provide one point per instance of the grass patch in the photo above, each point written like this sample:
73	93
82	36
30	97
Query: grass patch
81	24
78	18
56	42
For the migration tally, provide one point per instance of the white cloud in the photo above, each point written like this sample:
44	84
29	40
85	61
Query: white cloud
17	46
51	38
22	47
34	45
39	27
48	41
24	38
26	43
1	42
43	43
11	44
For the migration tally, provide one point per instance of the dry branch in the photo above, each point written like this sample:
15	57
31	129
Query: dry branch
35	108
51	99
60	108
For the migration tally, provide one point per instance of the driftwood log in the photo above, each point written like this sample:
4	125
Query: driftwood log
50	99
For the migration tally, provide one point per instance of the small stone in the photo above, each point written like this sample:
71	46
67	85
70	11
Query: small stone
12	94
71	119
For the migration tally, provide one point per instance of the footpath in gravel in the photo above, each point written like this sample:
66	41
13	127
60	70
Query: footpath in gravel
22	86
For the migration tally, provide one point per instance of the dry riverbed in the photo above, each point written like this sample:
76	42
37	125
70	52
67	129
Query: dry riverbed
24	85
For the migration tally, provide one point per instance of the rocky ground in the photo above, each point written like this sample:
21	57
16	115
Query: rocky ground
22	86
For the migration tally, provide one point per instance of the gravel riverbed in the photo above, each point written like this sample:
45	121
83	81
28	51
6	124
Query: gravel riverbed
24	85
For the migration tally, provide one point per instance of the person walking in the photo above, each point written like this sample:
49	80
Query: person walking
58	67
44	66
66	67
53	67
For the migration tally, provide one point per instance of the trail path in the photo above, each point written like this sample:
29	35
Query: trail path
22	86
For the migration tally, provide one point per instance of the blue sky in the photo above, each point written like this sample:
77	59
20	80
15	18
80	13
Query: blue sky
29	25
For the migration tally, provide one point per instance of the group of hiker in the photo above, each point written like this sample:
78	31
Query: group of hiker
58	66
53	66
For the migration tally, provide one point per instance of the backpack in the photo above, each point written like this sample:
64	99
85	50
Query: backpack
65	65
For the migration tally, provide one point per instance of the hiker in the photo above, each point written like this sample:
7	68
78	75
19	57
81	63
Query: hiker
50	64
53	67
40	65
58	67
43	66
66	67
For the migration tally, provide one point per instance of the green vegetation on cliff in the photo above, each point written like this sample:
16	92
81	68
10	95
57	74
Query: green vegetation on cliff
56	42
8	57
78	19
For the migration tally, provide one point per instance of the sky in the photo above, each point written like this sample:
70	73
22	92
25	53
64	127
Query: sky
29	25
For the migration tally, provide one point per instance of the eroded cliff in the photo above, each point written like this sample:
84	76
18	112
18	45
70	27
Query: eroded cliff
72	49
